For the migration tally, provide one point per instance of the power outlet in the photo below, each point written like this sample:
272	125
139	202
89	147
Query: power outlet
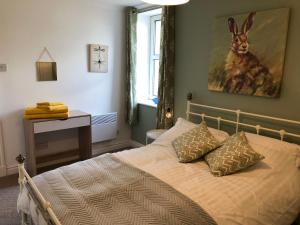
3	67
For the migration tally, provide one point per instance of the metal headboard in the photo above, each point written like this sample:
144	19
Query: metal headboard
237	122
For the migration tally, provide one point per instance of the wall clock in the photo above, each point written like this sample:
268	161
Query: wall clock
98	58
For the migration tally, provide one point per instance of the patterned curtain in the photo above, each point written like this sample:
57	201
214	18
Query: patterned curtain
131	66
166	70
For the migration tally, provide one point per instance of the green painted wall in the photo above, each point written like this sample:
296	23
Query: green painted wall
147	121
194	35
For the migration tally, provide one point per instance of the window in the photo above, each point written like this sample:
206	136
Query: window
154	55
148	53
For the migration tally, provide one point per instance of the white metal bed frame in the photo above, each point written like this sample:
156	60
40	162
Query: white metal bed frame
237	122
24	177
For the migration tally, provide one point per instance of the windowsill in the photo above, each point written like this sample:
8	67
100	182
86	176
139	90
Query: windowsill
147	102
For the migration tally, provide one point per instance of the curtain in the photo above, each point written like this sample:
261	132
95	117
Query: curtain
131	34
167	69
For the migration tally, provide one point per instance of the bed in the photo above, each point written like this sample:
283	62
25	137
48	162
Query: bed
266	193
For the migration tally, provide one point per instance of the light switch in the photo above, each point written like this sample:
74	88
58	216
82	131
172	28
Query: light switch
3	67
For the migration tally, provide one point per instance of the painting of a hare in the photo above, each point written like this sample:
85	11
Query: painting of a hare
249	69
244	71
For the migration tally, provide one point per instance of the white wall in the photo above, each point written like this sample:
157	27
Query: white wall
65	27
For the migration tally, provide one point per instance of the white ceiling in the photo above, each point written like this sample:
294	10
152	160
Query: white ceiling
125	2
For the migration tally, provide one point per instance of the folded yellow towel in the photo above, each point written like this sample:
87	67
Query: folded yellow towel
47	116
53	108
46	110
49	104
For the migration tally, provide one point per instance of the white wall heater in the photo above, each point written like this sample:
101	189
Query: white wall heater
104	127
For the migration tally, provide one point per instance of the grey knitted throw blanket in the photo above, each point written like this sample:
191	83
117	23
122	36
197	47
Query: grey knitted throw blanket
106	191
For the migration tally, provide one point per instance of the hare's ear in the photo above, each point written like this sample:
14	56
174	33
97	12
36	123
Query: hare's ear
248	23
233	27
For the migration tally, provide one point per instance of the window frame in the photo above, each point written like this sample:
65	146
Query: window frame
152	55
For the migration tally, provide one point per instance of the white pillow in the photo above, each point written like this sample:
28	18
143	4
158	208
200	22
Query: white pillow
182	126
275	149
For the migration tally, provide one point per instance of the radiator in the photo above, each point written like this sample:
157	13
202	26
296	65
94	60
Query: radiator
104	127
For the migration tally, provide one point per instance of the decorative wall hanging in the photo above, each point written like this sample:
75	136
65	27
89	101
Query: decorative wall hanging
98	58
46	71
256	69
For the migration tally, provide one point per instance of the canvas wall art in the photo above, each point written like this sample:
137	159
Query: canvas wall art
248	53
98	58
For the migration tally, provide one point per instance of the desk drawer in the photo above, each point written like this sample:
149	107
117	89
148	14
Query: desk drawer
52	125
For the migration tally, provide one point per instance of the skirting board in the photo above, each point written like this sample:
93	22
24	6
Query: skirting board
135	144
10	170
98	149
2	171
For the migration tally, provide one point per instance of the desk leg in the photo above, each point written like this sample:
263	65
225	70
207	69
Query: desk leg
30	148
85	142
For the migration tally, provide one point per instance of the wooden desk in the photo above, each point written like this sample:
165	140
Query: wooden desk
77	120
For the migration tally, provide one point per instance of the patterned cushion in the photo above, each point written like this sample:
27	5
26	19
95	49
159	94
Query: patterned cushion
195	143
235	154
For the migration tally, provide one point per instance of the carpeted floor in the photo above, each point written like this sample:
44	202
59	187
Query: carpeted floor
9	191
